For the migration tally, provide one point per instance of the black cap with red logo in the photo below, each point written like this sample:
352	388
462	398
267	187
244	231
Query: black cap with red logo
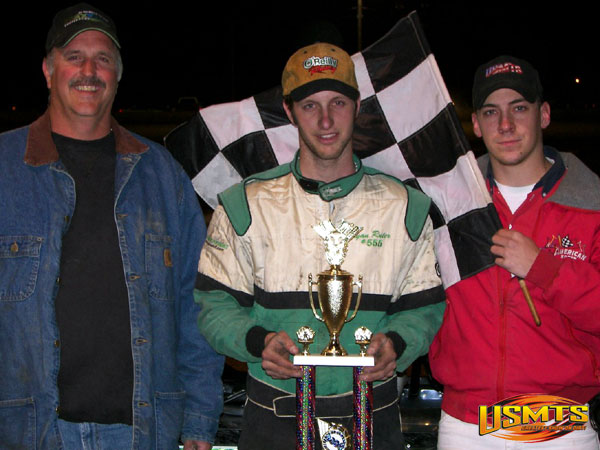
506	72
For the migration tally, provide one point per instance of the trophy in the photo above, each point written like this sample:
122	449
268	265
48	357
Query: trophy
335	285
334	288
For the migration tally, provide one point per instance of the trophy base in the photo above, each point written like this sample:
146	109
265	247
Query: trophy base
337	361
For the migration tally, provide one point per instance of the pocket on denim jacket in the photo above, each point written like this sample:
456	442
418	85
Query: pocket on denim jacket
19	266
159	266
169	418
17	423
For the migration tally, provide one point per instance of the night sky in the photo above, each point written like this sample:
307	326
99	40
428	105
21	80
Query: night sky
230	50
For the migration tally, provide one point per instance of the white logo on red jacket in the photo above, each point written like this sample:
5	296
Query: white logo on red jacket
563	247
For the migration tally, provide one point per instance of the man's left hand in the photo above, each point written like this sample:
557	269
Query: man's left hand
514	251
382	349
196	445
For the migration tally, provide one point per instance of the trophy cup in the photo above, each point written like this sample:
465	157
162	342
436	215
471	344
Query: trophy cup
335	288
335	285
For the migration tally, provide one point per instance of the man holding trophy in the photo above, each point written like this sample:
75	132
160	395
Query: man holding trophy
273	231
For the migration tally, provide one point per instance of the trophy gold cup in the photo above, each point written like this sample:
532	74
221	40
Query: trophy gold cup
335	288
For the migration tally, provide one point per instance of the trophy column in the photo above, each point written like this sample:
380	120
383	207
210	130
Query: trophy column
334	436
362	437
305	409
305	397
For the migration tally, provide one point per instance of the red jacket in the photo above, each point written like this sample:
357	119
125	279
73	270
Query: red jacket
489	347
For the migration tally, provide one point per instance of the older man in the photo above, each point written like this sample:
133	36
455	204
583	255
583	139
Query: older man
100	235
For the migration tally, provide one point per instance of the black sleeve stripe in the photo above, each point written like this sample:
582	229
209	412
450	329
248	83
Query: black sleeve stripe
204	283
398	343
300	300
255	340
418	300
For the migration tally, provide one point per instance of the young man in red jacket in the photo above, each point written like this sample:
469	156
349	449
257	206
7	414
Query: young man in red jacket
489	347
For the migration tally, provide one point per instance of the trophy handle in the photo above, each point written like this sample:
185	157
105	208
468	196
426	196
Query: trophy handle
310	297
359	284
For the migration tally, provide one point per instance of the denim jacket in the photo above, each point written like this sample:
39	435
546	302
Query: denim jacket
177	376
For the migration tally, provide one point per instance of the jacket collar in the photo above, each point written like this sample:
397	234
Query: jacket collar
332	190
40	149
547	182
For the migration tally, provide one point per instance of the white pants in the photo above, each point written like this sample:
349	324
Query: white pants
455	434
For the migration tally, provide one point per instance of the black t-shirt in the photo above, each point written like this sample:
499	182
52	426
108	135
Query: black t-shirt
95	379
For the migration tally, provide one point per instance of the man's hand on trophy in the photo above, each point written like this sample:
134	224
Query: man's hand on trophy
382	349
276	356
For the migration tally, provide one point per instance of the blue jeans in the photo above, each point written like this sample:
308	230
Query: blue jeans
95	436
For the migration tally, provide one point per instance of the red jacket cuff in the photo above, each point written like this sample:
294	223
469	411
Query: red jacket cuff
544	269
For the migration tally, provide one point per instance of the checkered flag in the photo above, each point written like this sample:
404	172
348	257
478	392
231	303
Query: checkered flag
407	127
566	242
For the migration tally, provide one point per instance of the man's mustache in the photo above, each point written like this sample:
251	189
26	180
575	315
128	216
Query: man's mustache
87	81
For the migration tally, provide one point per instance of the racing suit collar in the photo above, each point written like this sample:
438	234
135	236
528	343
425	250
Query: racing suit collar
332	190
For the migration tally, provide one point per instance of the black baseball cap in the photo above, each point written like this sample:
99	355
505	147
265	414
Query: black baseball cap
76	19
506	72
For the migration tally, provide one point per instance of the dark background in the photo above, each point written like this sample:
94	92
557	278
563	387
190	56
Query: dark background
228	50
179	55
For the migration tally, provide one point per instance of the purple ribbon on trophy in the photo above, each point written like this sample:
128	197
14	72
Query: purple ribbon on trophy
305	397
362	434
